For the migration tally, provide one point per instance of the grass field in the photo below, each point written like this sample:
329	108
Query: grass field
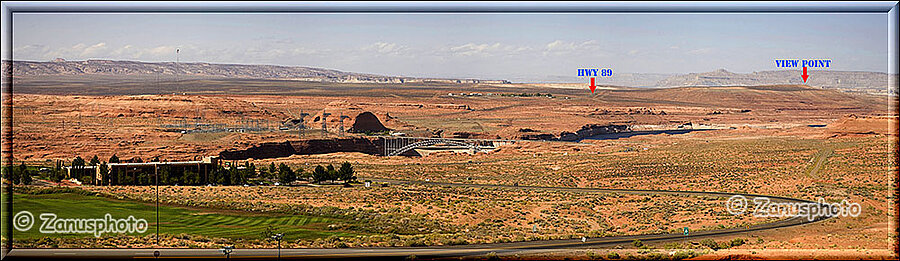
173	220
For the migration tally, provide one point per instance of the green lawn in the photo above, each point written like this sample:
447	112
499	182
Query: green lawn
173	220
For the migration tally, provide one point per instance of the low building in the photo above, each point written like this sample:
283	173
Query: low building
204	167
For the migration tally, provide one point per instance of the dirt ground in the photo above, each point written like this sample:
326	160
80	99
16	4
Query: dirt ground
792	141
48	127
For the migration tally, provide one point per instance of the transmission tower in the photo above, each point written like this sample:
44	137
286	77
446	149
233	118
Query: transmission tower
342	123
324	121
302	125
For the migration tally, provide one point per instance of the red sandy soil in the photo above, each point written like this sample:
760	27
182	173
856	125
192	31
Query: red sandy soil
47	127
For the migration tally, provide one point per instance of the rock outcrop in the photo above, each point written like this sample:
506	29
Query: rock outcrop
304	147
367	122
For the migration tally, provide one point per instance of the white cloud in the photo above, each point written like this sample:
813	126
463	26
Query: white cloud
473	49
486	49
30	51
163	50
93	50
385	48
700	51
560	47
127	51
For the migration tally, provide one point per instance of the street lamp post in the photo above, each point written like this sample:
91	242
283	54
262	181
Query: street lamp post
277	238
227	251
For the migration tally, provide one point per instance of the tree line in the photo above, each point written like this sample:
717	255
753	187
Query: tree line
236	174
18	174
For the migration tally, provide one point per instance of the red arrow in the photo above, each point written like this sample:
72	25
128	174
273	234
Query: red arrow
592	85
805	76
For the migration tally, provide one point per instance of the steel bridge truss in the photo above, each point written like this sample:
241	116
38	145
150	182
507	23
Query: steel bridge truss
394	146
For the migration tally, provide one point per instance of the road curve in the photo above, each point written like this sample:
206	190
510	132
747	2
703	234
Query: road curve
429	252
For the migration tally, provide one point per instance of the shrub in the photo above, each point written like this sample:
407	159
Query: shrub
710	244
684	255
637	243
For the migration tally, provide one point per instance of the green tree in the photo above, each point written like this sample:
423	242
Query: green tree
346	172
58	172
224	177
191	178
90	176
8	173
122	178
77	167
24	174
319	174
238	175
273	171
251	171
217	174
114	175
285	174
263	170
104	170
303	175
26	180
95	161
332	173
165	174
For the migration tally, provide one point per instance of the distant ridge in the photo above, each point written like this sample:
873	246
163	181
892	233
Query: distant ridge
851	81
195	69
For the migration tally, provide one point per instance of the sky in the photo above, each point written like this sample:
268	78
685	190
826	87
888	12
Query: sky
487	46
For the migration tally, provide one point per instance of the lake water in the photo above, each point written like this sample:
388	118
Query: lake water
614	136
